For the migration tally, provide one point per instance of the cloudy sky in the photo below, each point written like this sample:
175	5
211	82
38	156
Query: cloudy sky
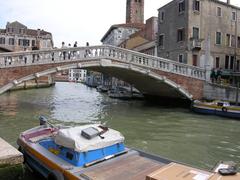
73	20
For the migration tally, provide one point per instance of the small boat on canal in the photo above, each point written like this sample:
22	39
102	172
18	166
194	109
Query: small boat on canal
92	152
220	108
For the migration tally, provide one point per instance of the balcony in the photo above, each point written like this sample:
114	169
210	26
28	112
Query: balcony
195	44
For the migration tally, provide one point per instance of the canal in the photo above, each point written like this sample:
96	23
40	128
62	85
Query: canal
175	133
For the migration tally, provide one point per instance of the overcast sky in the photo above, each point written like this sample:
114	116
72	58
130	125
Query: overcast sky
73	20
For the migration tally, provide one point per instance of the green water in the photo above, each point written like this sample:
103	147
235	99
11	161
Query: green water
175	133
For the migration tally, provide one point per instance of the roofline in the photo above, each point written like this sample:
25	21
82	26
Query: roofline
216	1
109	30
125	25
226	4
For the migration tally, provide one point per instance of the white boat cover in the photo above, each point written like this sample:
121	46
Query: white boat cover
72	138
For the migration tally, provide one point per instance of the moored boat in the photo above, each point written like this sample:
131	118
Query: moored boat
220	108
96	152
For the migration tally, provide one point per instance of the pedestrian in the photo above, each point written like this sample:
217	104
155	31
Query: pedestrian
87	51
212	75
69	52
74	52
219	75
75	44
63	52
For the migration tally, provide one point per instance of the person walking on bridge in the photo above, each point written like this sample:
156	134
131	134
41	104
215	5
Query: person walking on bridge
213	75
63	52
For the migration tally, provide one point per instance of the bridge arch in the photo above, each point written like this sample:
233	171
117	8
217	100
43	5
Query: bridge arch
145	80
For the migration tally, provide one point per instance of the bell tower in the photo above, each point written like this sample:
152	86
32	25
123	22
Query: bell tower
135	11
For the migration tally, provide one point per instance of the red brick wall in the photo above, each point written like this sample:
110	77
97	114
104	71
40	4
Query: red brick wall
193	86
9	74
131	15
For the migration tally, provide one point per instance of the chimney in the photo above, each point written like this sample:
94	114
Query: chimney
228	1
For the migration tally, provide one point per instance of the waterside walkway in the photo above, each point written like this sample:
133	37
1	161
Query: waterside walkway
10	161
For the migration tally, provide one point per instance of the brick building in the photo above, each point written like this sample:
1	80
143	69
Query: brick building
200	32
17	37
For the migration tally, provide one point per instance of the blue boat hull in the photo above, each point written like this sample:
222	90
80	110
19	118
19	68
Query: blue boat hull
216	112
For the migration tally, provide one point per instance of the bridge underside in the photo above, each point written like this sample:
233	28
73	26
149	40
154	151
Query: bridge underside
146	84
146	81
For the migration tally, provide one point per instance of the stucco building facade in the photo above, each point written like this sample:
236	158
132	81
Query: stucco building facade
196	31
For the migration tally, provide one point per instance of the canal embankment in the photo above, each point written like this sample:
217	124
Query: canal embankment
213	91
11	161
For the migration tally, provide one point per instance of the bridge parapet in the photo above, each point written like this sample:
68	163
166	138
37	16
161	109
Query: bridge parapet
28	58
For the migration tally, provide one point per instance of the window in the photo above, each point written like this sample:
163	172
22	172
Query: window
228	40
2	40
196	5
195	33
218	38
181	6
233	41
226	62
217	62
20	42
162	16
195	57
180	35
160	42
180	58
33	42
237	66
238	42
219	11
11	41
234	16
231	62
26	42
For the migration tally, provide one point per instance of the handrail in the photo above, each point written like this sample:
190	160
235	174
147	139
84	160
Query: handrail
28	58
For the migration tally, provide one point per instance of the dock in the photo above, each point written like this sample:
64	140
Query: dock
10	161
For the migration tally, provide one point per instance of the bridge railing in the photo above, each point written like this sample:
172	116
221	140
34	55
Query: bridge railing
27	58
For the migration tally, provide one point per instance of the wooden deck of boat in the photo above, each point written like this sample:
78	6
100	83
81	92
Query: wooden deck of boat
130	166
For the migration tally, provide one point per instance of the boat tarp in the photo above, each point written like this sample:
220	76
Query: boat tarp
72	138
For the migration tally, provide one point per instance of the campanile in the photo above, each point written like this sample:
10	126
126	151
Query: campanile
135	11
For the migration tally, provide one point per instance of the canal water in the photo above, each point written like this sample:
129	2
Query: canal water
175	133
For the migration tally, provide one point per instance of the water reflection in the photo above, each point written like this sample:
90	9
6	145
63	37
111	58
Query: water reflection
175	133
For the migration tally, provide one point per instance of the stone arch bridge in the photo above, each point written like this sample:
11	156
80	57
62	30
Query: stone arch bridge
152	75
